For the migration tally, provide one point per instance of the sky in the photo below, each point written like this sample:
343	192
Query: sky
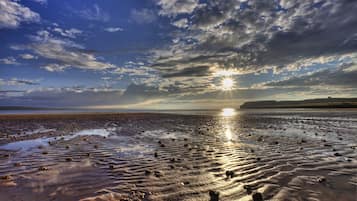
175	54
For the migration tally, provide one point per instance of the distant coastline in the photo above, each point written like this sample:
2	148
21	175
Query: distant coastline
308	103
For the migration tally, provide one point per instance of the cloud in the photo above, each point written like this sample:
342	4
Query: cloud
94	13
62	52
113	29
254	36
55	67
9	61
40	1
70	33
143	16
28	56
12	14
181	23
344	76
17	82
175	7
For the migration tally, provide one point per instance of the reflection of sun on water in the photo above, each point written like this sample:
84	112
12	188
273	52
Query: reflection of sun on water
228	133
228	112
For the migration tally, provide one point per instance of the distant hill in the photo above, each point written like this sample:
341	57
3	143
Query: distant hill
308	103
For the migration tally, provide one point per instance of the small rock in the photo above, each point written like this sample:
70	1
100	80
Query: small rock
337	154
229	174
69	159
111	167
6	177
44	152
155	154
147	172
214	195
321	179
67	147
42	168
158	174
248	189
257	196
95	146
17	164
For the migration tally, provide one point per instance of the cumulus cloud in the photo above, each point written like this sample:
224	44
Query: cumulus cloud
94	13
28	56
64	53
255	36
143	16
9	61
17	82
181	23
70	33
344	76
12	14
175	7
113	29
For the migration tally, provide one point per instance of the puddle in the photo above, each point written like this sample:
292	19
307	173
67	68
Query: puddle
26	145
163	134
99	132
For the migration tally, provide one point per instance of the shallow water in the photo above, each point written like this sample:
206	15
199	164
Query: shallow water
285	155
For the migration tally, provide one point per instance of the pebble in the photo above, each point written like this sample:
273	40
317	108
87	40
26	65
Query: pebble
42	168
257	196
69	159
214	195
248	189
229	174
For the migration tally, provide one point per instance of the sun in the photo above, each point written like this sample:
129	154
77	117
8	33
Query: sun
227	84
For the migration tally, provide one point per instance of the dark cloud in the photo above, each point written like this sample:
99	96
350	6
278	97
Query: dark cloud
344	76
255	35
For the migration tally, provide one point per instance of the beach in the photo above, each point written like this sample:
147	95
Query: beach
224	155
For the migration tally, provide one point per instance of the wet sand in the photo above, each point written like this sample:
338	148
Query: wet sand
246	156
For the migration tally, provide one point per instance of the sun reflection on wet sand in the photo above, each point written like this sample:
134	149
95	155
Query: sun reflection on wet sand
228	133
228	112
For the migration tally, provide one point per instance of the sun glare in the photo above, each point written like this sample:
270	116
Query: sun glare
228	112
227	84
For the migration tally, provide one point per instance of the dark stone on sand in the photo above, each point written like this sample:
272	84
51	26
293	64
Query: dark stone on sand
42	168
321	179
44	152
172	167
95	146
158	174
185	139
214	195
172	160
260	139
155	154
257	196
67	147
252	150
276	142
248	189
6	177
258	159
337	154
17	164
6	155
185	145
230	174
147	172
162	145
111	167
69	159
88	154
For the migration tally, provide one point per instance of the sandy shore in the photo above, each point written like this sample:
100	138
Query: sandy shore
248	156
